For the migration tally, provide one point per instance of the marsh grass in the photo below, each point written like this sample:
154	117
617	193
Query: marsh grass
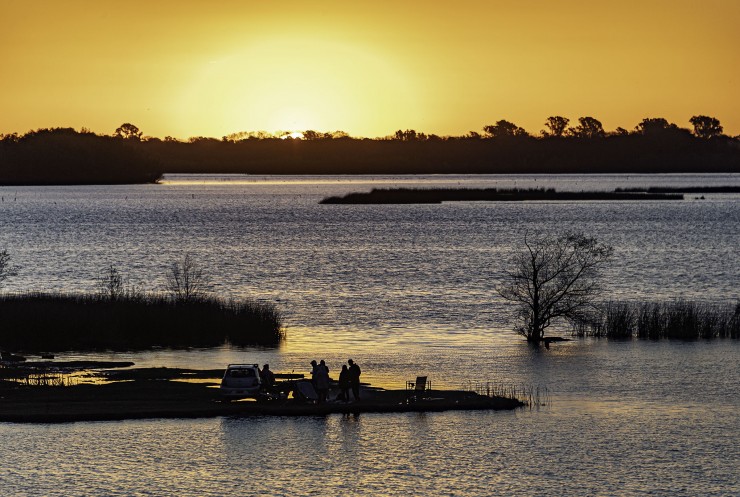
133	321
529	395
438	195
680	319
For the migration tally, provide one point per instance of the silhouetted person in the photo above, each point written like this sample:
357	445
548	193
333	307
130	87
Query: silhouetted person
354	378
322	381
314	368
344	383
268	378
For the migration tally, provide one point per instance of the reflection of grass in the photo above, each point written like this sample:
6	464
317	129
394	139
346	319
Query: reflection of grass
53	322
37	378
679	319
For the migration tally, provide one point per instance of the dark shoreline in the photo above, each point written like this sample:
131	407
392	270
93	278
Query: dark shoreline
65	156
147	398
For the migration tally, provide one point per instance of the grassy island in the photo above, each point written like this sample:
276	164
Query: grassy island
161	393
35	322
439	195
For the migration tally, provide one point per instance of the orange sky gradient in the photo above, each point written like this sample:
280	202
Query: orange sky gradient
194	68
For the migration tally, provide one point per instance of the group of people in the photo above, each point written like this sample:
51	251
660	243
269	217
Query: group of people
349	378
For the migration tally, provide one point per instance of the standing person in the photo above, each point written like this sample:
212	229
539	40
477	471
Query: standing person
344	383
314	368
354	378
268	378
322	381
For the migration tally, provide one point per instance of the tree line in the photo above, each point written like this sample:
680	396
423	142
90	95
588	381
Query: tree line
63	155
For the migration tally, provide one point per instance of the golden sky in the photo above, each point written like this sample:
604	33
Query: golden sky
210	68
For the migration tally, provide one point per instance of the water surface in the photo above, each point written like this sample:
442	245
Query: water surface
404	290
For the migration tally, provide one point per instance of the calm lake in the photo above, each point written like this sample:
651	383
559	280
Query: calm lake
404	290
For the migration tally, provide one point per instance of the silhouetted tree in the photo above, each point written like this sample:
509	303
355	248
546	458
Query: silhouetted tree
620	131
310	134
128	131
6	270
110	283
185	279
652	125
706	127
553	278
588	127
504	128
556	126
9	138
406	136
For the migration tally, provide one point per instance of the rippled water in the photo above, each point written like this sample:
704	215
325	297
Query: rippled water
405	290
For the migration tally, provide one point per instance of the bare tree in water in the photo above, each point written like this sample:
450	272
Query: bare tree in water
185	279
553	278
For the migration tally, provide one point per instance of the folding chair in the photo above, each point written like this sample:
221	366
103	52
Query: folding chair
416	389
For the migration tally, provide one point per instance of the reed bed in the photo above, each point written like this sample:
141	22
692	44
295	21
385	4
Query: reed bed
55	322
529	395
680	319
438	195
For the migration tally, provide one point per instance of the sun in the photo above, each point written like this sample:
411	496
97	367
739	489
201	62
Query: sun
271	87
296	135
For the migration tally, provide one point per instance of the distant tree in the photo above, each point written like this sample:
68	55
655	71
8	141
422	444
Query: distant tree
6	269
186	280
706	127
556	126
504	128
588	127
473	135
128	131
202	140
652	125
110	283
553	278
620	131
9	138
407	136
310	134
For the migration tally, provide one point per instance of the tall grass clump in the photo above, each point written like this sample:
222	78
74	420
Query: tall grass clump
615	320
679	319
529	395
132	321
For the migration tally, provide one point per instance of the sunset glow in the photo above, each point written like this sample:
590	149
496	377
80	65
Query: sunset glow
210	69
